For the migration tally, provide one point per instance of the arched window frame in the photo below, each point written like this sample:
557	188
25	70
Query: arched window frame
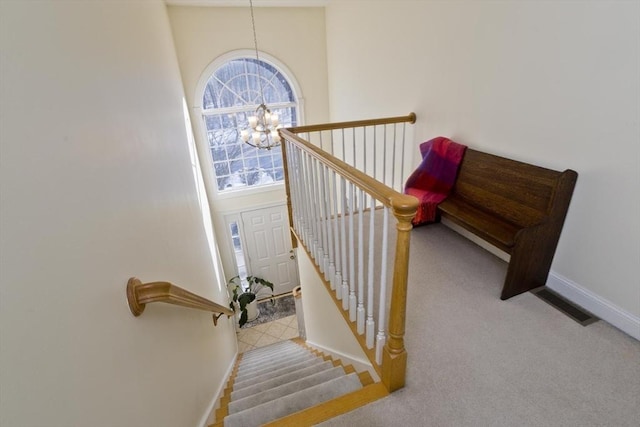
200	113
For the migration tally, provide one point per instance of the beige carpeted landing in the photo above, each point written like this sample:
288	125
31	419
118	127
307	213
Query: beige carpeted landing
475	360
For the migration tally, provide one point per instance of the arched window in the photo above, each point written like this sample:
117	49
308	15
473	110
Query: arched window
230	96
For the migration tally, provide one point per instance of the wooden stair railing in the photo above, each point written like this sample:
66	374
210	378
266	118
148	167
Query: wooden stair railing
139	294
394	356
409	118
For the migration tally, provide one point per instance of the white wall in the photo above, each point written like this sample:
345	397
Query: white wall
294	36
97	186
324	325
551	83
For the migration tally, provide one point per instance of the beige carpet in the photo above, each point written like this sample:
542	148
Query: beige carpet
475	360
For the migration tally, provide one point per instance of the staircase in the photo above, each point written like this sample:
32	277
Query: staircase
288	383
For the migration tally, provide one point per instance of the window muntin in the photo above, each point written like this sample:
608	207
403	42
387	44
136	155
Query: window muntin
231	95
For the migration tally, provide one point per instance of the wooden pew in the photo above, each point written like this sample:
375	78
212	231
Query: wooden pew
517	207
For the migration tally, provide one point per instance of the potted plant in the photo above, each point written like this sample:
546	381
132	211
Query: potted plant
244	297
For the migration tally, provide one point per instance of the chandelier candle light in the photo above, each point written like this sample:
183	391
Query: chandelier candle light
263	132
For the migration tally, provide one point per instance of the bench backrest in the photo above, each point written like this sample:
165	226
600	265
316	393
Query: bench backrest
518	192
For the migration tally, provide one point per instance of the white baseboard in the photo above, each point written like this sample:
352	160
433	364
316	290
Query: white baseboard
605	310
359	364
600	307
208	417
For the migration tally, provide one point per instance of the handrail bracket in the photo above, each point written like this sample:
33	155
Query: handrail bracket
132	296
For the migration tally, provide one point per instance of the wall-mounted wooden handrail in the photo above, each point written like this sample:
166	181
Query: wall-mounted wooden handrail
139	294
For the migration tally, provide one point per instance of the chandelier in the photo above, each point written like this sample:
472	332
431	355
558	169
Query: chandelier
262	129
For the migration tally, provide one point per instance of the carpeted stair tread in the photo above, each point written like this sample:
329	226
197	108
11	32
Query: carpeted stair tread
280	350
295	402
292	381
289	376
266	357
269	364
287	389
259	352
281	364
258	361
273	374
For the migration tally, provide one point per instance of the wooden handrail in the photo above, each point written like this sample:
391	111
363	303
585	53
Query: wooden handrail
410	118
139	294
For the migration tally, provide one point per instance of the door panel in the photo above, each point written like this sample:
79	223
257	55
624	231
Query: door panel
268	247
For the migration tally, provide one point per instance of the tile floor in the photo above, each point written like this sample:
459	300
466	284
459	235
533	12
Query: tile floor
267	333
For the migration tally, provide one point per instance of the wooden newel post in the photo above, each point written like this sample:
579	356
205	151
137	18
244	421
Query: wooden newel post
394	355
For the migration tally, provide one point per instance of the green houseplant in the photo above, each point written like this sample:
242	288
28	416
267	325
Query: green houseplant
242	296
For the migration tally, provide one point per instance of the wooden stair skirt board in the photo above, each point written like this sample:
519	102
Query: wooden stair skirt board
288	383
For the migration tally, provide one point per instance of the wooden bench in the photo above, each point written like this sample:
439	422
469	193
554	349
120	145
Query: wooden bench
517	207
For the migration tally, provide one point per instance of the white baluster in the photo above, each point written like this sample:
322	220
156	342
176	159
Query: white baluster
402	177
343	243
352	263
384	155
323	260
353	153
337	278
318	216
364	144
381	337
312	210
301	200
393	162
370	323
344	159
360	295
307	197
375	151
332	141
294	181
328	243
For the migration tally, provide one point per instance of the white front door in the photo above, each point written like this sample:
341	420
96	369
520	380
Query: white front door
268	247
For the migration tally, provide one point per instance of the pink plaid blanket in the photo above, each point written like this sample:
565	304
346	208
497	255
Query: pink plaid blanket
432	181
